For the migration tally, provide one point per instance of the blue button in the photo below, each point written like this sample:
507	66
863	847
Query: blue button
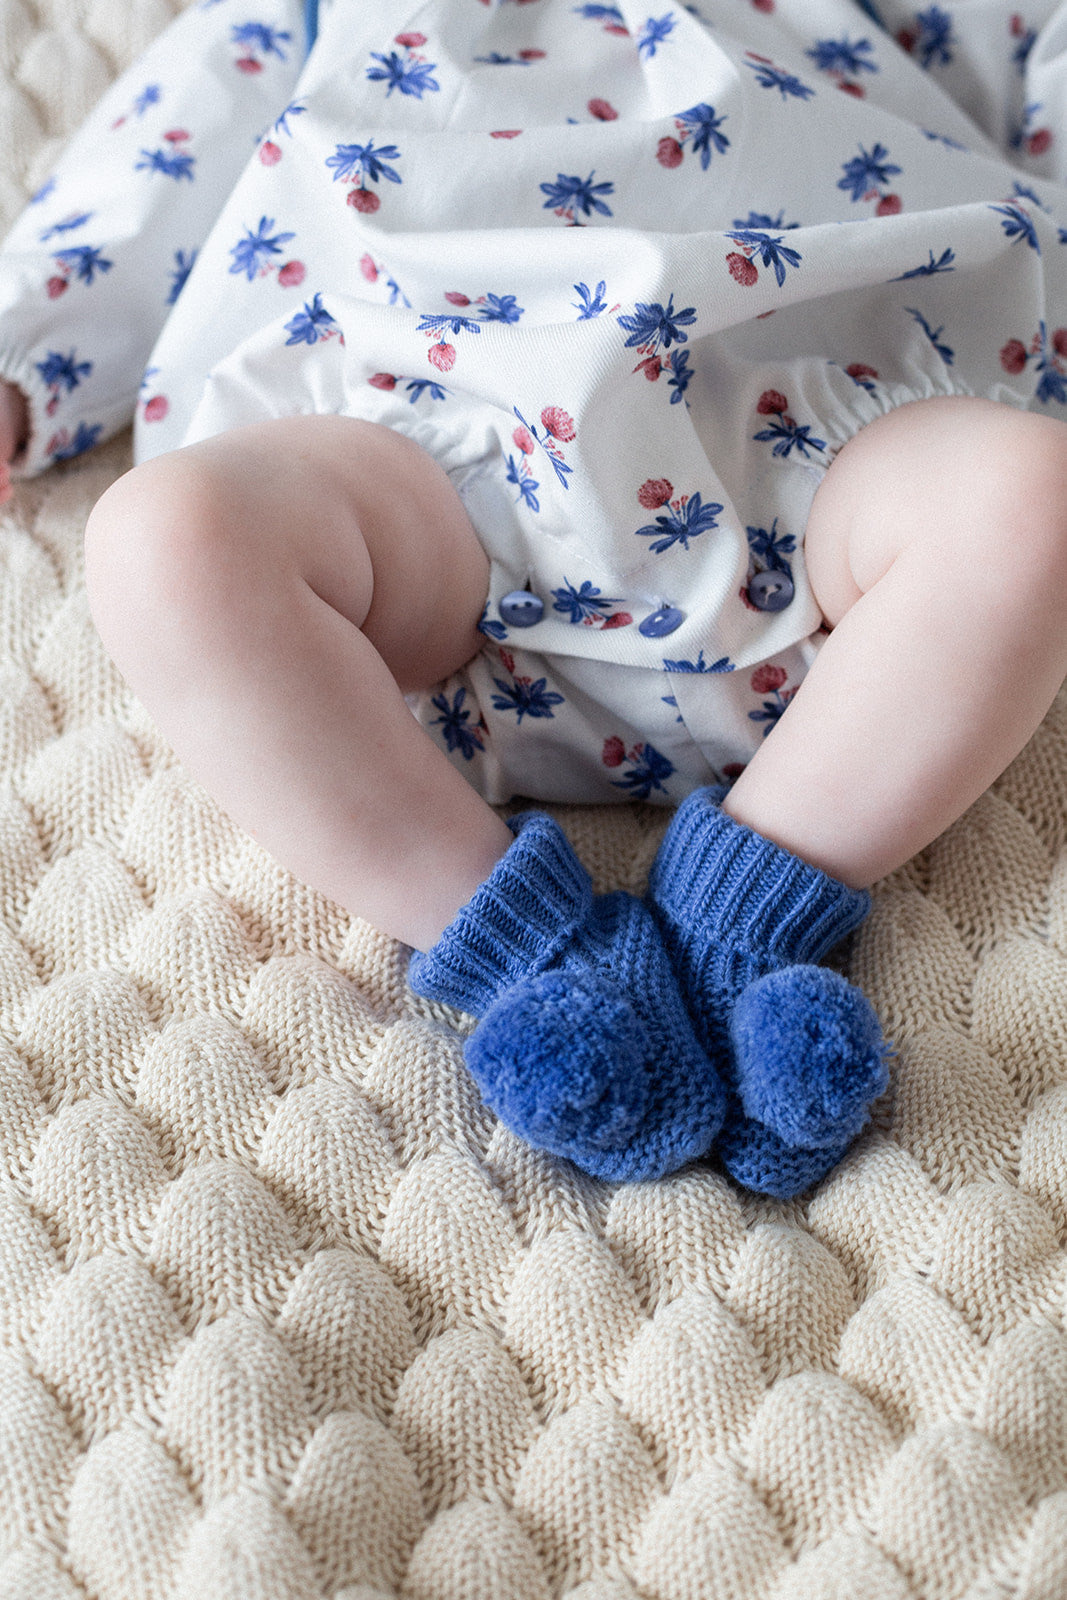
661	622
771	591
521	609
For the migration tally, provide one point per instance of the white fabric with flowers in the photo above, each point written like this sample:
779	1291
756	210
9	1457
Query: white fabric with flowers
632	273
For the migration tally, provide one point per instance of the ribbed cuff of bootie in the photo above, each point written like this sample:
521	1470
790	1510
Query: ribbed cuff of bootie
713	878
516	924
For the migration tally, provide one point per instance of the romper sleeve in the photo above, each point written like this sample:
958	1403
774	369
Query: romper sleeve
91	268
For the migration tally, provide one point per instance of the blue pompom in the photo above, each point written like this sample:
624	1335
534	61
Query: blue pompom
561	1060
809	1056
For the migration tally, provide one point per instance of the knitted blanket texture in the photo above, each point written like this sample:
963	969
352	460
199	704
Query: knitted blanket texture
284	1313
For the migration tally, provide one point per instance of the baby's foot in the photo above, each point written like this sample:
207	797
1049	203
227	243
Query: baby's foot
585	1047
743	922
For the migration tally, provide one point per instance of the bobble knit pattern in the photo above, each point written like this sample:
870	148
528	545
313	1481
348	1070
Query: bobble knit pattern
286	1315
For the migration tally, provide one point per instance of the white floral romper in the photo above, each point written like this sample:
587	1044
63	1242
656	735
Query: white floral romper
631	272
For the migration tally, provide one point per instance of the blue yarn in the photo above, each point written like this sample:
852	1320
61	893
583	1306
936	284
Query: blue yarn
809	1056
585	1047
311	24
803	1054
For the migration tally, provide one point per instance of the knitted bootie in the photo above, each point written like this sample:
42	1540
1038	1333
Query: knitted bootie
585	1047
744	921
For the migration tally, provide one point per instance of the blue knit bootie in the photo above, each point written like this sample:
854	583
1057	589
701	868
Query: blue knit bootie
585	1047
744	922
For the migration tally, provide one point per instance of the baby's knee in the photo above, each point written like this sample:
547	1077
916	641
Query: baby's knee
156	547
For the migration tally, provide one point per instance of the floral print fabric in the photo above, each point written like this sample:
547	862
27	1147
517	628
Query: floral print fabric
632	273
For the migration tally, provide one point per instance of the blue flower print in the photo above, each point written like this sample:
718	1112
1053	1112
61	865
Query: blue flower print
527	697
867	175
768	76
771	679
771	547
763	220
311	324
934	335
47	188
62	372
252	254
149	96
1027	37
701	129
415	388
440	322
83	262
930	38
1050	362
411	73
590	303
360	164
571	194
184	261
588	606
68	225
649	769
1017	224
786	433
457	730
609	15
684	518
64	446
768	250
842	57
500	308
945	262
681	375
559	430
281	124
256	39
490	627
654	33
653	325
520	475
723	664
171	163
1022	191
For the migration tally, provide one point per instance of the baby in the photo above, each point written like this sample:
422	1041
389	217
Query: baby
661	404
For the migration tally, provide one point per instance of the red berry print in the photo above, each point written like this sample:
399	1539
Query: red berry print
531	55
455	298
618	619
767	678
1017	25
382	380
156	408
1039	141
57	286
907	39
368	268
292	274
176	135
248	64
523	438
1013	356
741	269
603	110
614	752
410	41
504	133
858	369
888	206
650	367
507	660
669	152
733	770
363	200
655	492
772	403
270	153
443	356
857	90
763	5
1059	341
559	424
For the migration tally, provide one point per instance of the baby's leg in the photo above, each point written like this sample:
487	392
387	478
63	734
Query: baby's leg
937	548
270	594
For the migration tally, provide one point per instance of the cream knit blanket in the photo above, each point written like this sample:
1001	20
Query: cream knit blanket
284	1315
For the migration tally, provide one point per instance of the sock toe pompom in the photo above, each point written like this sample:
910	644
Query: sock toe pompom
809	1056
561	1060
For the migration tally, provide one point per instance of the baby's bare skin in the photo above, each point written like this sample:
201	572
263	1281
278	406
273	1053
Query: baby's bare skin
271	592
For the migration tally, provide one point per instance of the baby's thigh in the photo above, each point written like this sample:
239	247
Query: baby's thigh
350	510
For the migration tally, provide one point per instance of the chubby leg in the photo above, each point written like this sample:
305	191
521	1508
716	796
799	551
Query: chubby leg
937	548
270	595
